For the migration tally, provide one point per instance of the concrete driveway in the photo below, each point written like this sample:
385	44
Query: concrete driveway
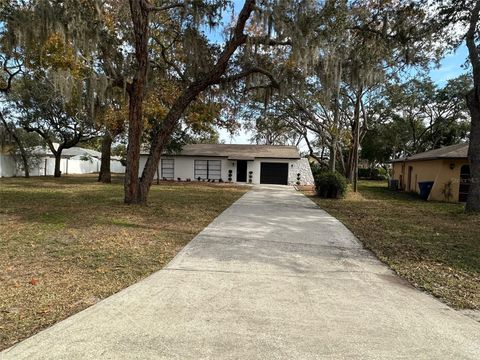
273	277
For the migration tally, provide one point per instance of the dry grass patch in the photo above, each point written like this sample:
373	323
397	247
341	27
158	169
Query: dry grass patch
66	244
434	245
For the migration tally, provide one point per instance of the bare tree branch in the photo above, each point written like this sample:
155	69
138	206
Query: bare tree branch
10	74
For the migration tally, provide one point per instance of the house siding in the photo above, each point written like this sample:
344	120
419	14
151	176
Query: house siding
8	167
302	167
46	166
184	168
438	171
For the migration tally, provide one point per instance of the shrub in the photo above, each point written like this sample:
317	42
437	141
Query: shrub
373	173
318	169
330	185
447	191
382	174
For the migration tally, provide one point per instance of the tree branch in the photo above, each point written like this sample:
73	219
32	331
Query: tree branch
472	48
153	8
265	40
253	70
10	75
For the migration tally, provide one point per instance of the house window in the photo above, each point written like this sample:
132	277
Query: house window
208	169
168	166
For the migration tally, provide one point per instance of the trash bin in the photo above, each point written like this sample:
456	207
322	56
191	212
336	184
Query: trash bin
425	188
393	184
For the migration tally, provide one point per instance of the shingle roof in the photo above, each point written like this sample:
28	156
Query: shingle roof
73	151
76	151
458	151
240	151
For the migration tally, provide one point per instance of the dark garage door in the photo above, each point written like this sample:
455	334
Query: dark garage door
274	173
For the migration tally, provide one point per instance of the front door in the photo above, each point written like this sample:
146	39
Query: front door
409	179
241	170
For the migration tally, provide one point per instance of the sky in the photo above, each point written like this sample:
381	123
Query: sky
450	67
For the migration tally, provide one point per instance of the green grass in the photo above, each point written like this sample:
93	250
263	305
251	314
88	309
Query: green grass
434	245
67	243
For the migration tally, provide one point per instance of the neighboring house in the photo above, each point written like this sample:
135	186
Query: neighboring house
7	163
256	164
447	168
75	160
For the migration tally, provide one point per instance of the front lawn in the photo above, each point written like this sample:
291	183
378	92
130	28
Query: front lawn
67	243
434	245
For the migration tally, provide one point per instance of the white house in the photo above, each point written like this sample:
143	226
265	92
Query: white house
75	160
256	164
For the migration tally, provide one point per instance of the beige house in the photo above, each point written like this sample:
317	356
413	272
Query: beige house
445	170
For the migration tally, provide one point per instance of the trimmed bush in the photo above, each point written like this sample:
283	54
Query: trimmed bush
330	185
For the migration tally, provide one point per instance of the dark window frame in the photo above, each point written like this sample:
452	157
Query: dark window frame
171	168
207	169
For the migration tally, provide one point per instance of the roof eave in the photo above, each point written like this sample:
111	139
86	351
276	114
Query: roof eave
430	158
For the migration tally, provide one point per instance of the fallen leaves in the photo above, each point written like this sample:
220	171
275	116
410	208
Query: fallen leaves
90	245
433	245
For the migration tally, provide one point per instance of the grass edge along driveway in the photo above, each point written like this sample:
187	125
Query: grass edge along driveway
434	245
67	243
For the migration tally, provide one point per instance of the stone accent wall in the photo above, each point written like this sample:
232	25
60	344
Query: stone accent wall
303	167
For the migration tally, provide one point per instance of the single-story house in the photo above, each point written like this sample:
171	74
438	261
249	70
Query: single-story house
446	169
255	164
75	160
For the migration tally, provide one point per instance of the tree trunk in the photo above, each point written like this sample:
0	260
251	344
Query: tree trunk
23	154
135	110
105	175
333	145
342	161
349	169
58	159
310	149
162	135
356	139
336	117
473	102
161	139
473	200
333	154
